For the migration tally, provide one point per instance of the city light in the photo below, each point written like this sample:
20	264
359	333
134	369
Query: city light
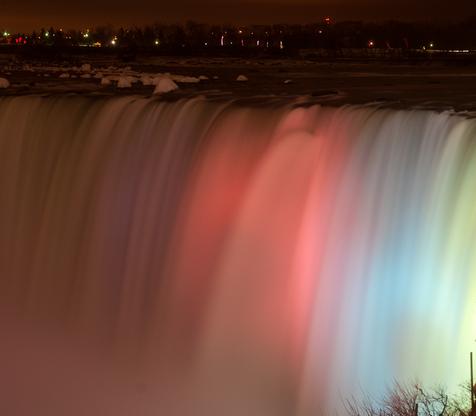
281	38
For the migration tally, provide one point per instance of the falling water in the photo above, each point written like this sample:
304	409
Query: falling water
201	258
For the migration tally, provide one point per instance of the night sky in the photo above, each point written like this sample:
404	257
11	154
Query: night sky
33	14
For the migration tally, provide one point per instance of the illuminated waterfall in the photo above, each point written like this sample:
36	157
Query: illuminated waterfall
204	258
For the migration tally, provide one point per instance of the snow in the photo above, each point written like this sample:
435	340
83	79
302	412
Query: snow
132	79
165	85
124	82
242	78
147	80
415	86
157	78
86	67
4	83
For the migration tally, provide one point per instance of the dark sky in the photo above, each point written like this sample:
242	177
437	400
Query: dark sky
29	14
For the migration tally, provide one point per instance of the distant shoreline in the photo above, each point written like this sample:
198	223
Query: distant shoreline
342	55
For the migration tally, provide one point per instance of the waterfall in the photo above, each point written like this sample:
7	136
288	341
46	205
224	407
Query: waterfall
216	258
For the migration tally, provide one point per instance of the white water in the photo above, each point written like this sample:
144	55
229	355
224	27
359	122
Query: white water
197	258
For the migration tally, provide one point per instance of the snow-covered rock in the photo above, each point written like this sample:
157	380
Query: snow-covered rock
165	85
4	83
288	81
157	78
86	67
132	79
242	78
105	81
147	80
216	77
98	75
124	82
86	76
203	78
64	75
